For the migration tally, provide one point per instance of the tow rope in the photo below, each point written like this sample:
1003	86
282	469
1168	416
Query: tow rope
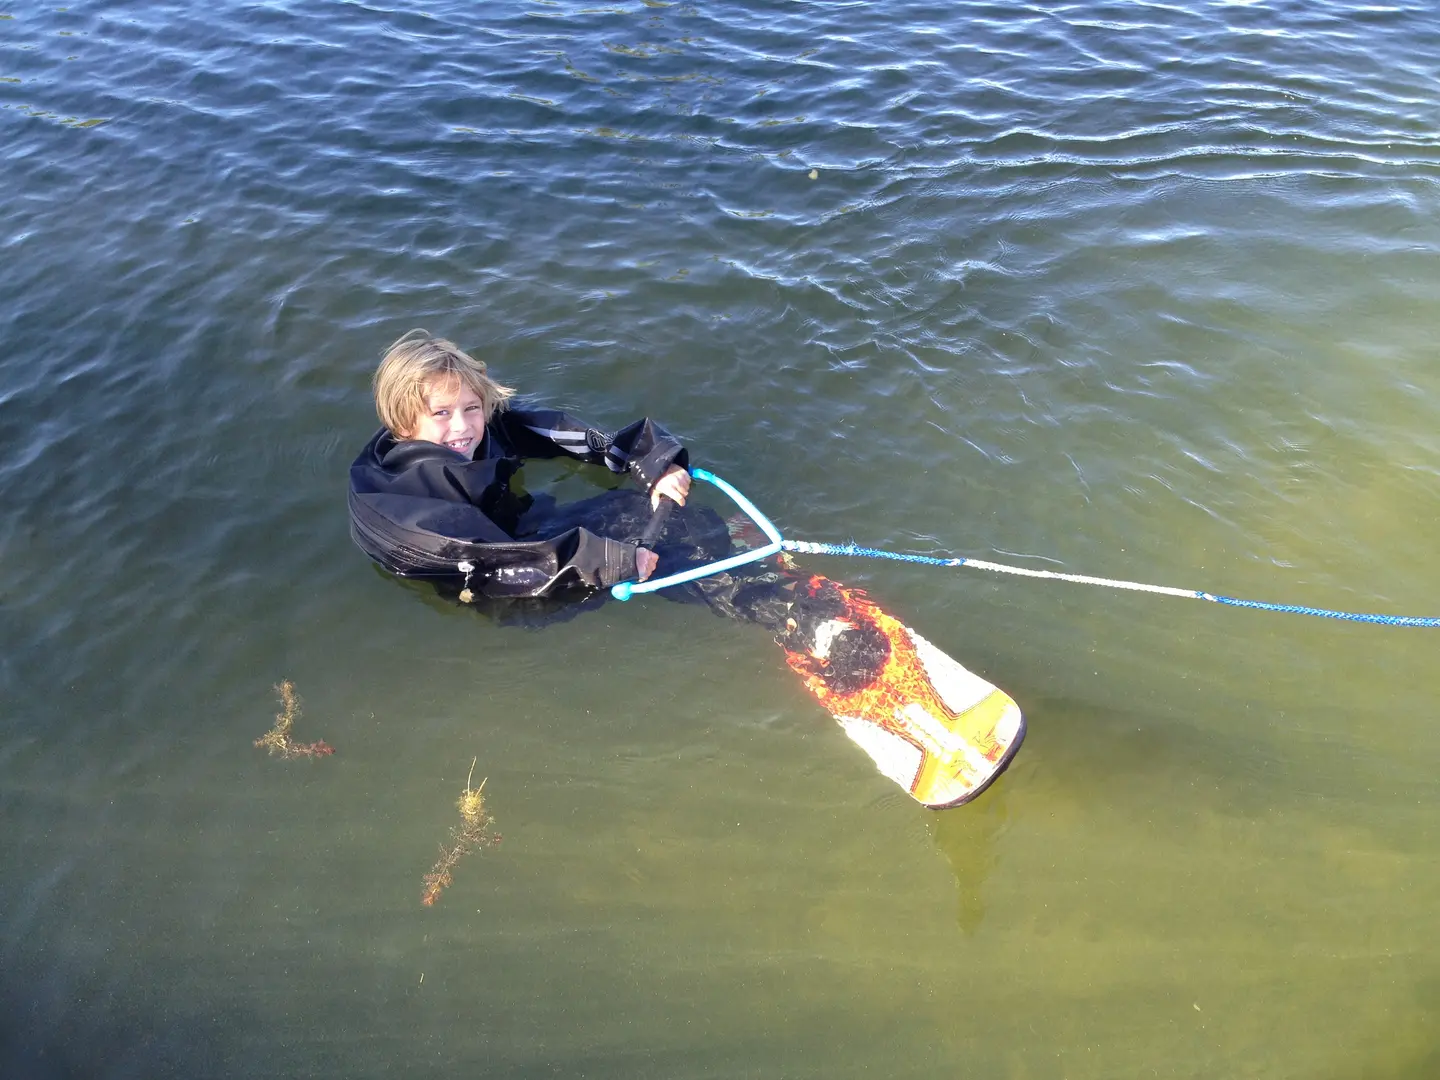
625	590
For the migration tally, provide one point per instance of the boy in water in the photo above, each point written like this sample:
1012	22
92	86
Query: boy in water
430	494
430	497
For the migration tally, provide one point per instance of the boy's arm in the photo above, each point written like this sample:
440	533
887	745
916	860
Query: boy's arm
643	449
425	537
421	511
540	567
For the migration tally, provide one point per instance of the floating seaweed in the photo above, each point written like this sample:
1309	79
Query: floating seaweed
474	833
278	741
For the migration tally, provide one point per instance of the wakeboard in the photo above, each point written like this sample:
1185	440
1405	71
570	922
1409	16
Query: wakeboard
935	728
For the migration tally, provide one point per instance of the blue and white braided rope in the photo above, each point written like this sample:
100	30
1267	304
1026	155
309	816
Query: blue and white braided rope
808	548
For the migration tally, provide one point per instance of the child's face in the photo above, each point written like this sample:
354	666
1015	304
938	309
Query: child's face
454	416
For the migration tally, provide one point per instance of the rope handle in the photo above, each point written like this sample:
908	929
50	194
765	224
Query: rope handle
627	589
657	523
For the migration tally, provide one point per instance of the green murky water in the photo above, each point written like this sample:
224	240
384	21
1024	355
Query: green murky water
1134	290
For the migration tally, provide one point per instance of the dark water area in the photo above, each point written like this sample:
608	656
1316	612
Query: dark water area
1138	290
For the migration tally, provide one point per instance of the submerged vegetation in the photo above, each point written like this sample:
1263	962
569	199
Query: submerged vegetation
472	833
475	831
278	741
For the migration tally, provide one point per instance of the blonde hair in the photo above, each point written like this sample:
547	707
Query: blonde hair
414	364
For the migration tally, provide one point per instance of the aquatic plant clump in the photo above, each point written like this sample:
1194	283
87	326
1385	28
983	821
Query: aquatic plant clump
474	833
278	740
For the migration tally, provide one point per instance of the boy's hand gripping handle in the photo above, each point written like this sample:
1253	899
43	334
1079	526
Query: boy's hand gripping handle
627	589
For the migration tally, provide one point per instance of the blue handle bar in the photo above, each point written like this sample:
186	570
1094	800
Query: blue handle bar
627	589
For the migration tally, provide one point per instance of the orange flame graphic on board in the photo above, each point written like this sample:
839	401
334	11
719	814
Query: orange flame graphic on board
901	683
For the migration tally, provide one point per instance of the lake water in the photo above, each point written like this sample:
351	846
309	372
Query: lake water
1140	290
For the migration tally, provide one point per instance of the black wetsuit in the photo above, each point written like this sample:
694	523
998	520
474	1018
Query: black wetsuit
421	510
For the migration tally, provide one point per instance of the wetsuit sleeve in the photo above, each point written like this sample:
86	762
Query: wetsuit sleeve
541	567
643	449
416	537
420	510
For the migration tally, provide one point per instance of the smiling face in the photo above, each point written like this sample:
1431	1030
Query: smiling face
426	388
454	416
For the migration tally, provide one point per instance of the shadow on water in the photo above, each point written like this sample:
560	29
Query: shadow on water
1082	759
967	837
1162	775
